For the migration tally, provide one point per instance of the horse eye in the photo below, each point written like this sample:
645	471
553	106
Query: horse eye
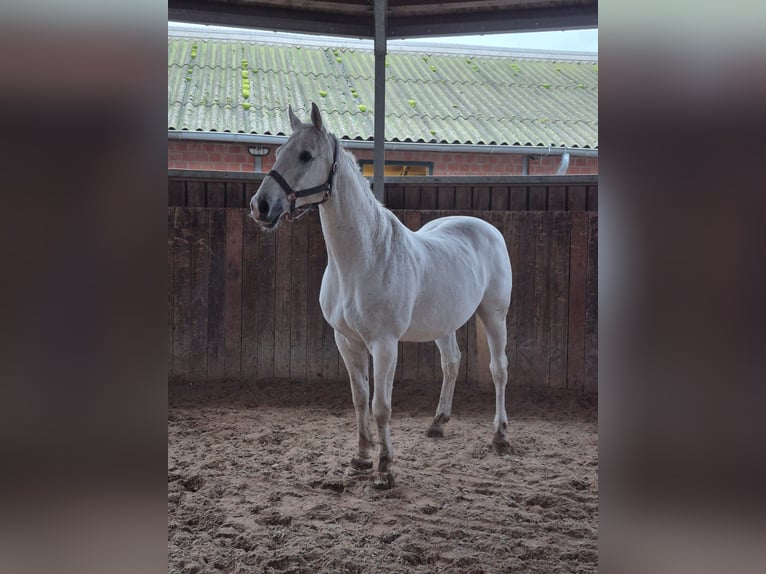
305	155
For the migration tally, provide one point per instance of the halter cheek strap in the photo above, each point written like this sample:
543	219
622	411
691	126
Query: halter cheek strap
324	188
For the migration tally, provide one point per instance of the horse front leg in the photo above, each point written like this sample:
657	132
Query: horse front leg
384	365
356	359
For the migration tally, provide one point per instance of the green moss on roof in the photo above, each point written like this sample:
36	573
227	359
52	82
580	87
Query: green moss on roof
470	99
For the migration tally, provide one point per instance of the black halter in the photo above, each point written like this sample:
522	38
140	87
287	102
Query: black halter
293	195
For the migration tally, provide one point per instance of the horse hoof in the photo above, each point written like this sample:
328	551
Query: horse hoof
383	480
501	446
361	465
434	432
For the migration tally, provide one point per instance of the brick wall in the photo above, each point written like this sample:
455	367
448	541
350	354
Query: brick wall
214	156
235	157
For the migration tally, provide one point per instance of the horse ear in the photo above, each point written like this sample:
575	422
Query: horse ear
316	117
294	121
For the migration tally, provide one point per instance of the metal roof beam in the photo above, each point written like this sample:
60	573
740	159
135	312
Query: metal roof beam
379	155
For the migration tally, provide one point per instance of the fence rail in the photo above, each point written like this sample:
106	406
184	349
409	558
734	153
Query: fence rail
244	303
494	193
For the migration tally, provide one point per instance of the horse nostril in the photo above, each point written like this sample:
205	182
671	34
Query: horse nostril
263	207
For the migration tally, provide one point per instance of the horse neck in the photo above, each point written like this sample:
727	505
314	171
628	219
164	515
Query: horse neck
353	221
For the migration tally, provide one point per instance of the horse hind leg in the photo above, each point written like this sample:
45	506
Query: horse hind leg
450	362
493	320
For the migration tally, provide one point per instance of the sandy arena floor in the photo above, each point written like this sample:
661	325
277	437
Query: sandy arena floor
257	482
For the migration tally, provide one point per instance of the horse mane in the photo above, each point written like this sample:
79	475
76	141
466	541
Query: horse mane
376	208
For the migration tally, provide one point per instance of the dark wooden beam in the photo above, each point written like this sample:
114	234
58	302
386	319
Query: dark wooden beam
267	18
496	21
307	21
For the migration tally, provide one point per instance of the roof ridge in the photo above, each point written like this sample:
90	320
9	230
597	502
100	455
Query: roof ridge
310	41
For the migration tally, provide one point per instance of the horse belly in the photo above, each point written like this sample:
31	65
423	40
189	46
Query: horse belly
441	312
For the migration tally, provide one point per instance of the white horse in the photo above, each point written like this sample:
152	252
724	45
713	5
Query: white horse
385	283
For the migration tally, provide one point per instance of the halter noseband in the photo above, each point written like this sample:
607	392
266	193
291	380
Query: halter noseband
293	195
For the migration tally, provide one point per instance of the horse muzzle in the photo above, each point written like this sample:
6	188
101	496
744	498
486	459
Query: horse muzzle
266	215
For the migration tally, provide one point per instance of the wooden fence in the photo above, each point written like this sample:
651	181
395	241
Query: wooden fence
496	193
244	303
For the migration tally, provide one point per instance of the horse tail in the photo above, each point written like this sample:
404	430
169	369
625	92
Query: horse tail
482	352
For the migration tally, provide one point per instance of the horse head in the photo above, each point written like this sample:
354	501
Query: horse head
301	170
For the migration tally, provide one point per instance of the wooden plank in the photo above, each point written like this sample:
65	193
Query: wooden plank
499	197
590	382
519	198
480	198
299	256
282	302
394	197
235	194
182	284
557	198
176	193
591	203
428	197
250	190
233	299
195	194
511	234
412	220
216	294
412	197
445	197
538	198
448	179
171	286
216	194
559	282
265	294
200	270
542	302
462	377
576	198
410	351
255	279
317	261
463	197
429	366
578	263
525	299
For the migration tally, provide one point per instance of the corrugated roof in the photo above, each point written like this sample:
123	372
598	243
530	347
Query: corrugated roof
430	97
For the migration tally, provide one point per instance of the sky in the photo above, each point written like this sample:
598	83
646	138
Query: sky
569	40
